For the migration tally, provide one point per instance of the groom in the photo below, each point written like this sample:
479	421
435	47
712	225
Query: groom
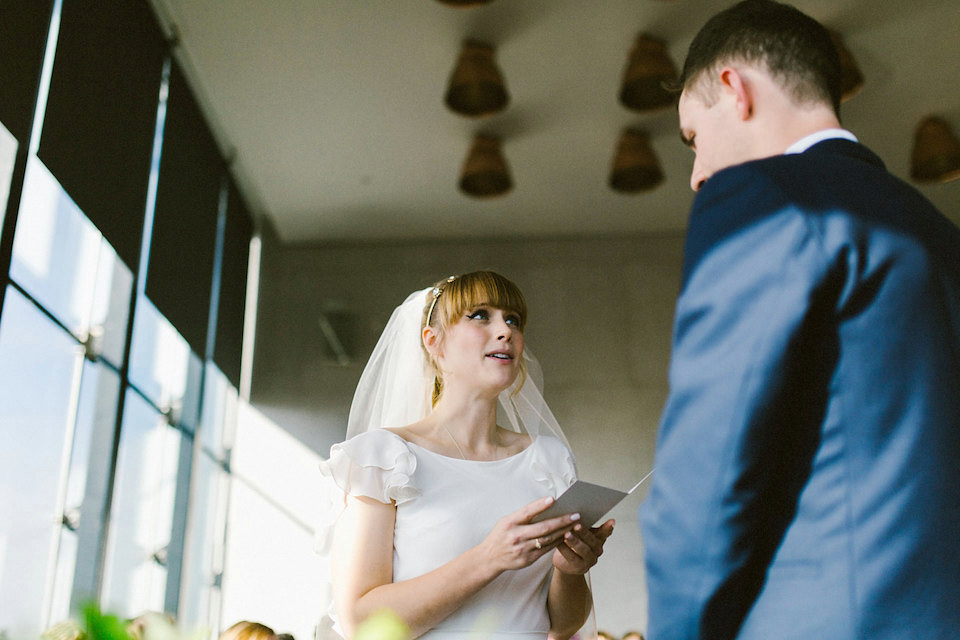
808	460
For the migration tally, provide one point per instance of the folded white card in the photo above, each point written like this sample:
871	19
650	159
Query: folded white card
591	501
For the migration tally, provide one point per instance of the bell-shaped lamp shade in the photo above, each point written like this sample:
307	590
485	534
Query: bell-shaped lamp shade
463	4
936	152
476	86
485	172
851	78
635	166
648	68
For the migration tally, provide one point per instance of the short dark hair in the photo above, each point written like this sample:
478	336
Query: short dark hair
796	49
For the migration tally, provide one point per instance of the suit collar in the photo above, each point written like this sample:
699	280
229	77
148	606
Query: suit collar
808	141
839	146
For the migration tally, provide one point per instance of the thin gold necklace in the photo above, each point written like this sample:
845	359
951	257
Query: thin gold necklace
457	445
496	450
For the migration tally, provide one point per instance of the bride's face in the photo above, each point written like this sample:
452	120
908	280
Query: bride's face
483	348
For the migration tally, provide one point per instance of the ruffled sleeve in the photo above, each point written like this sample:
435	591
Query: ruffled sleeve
376	464
553	465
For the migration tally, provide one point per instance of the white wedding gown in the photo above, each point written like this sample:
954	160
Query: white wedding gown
446	506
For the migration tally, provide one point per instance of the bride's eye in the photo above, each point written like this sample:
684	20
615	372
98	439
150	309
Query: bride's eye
513	319
479	314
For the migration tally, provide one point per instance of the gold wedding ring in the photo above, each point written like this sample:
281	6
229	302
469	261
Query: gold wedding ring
537	544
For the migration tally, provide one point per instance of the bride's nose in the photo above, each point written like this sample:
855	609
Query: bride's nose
505	331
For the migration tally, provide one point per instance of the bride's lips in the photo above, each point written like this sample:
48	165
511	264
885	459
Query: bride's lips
502	355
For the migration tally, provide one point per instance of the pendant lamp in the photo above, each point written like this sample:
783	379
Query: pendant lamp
485	172
635	166
476	85
648	68
851	79
936	152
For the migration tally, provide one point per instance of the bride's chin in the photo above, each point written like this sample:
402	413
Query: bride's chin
494	386
510	381
497	388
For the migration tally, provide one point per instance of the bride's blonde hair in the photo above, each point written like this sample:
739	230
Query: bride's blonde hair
454	296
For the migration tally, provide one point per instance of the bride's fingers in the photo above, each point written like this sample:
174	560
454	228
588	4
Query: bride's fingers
581	538
595	537
526	514
605	530
551	540
540	545
568	553
554	526
530	511
575	541
551	529
582	547
573	558
590	539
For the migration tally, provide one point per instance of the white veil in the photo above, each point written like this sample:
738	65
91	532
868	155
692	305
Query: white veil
395	387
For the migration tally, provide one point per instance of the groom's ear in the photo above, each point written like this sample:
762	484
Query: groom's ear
733	84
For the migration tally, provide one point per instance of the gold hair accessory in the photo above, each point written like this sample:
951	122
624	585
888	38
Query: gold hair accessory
436	294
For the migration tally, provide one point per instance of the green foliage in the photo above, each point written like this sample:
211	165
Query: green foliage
102	626
383	625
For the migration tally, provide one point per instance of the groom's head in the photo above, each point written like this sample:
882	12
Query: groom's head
795	49
758	76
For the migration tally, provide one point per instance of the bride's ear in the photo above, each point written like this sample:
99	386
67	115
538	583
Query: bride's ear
431	340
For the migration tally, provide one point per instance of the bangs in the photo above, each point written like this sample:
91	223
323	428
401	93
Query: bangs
478	288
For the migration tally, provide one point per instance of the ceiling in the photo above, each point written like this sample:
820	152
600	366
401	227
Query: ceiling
333	112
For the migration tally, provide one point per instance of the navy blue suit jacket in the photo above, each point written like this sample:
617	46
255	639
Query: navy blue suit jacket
807	478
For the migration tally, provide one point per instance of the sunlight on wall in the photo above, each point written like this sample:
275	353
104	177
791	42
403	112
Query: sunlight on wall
271	573
275	463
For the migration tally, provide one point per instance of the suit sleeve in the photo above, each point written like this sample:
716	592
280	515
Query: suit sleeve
748	379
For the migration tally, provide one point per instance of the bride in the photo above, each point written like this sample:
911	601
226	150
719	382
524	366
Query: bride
437	501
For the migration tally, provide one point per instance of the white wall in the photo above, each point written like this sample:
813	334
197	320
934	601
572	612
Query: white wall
600	323
270	573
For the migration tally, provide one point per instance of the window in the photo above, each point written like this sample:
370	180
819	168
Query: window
189	194
160	361
23	33
101	114
88	478
61	259
8	155
141	520
40	368
203	559
118	401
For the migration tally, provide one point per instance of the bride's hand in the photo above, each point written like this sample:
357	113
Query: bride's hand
581	548
515	543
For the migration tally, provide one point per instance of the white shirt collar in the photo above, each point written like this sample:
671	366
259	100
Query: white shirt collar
806	142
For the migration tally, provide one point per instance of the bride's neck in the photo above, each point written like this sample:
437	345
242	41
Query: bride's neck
472	421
